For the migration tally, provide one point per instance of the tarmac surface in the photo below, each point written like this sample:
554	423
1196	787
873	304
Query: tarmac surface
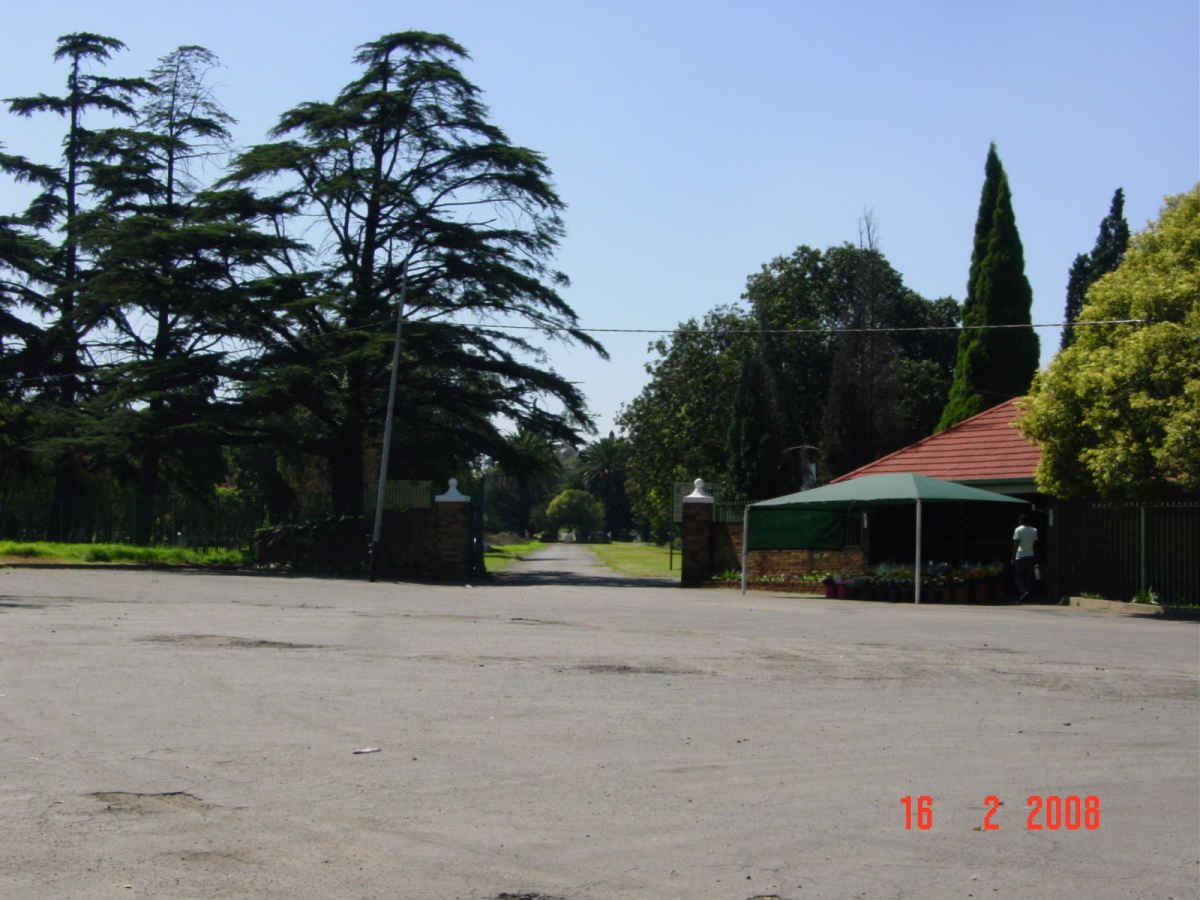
569	733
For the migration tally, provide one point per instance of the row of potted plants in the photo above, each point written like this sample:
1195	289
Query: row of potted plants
940	583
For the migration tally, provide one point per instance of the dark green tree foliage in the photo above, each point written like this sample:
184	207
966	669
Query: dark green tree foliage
167	257
1088	268
751	436
526	475
52	282
23	254
602	469
415	192
755	399
993	364
845	385
788	294
867	296
1078	281
926	364
678	426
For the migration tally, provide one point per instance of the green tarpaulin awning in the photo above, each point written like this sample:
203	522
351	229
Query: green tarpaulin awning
869	490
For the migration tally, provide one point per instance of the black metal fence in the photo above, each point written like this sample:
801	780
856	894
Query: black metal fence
1118	550
30	514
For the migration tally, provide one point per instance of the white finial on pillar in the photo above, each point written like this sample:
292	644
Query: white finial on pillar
698	494
452	495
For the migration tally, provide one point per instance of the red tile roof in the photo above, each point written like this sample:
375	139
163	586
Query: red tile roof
985	447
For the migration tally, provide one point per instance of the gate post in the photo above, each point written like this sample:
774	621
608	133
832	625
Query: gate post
452	533
696	543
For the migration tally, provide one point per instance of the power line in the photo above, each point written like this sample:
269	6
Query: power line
681	332
554	329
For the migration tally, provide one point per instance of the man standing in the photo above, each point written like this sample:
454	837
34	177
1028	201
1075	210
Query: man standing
1024	542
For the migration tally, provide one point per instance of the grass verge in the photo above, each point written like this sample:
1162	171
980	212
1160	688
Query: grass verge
47	551
498	558
638	559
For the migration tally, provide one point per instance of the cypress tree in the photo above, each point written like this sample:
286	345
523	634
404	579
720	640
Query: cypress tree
1087	269
993	365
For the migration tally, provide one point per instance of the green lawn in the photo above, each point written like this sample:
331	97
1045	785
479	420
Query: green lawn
650	560
499	558
45	551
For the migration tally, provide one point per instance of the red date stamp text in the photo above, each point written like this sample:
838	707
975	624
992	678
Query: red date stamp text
1048	812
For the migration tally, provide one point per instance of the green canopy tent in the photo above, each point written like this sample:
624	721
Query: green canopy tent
869	490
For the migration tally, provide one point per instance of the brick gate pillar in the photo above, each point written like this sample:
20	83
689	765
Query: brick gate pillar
452	534
696	566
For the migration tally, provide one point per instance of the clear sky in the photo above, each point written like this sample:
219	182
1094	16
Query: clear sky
694	142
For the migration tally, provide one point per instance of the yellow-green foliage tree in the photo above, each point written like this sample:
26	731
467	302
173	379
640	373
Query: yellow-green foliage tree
1118	412
577	510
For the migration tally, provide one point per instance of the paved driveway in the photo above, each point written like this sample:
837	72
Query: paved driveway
192	735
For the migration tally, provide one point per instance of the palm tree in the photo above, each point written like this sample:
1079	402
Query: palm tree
602	467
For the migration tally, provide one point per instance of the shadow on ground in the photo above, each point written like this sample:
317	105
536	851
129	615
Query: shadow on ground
577	579
566	564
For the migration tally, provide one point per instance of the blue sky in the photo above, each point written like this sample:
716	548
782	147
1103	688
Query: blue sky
693	143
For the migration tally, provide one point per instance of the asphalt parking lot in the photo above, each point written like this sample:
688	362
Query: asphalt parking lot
568	733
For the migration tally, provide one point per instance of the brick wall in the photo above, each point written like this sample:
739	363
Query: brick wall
803	562
724	552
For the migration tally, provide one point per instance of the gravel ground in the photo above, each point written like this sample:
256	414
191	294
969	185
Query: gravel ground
569	733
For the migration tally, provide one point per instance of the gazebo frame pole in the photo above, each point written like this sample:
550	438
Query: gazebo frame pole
917	567
745	542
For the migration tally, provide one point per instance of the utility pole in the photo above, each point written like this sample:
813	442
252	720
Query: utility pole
377	532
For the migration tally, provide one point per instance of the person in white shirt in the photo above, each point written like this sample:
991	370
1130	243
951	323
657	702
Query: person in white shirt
1024	542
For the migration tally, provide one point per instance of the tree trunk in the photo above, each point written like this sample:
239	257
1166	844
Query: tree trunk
147	500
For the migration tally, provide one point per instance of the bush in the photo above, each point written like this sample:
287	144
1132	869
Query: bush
26	550
334	545
577	510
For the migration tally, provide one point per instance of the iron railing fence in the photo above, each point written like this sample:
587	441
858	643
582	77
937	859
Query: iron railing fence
125	518
1117	550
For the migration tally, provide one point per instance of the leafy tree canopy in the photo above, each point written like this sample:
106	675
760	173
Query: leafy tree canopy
577	511
1118	412
677	426
752	398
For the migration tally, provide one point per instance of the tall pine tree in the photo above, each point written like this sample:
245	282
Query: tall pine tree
1089	267
171	260
408	193
54	288
993	364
